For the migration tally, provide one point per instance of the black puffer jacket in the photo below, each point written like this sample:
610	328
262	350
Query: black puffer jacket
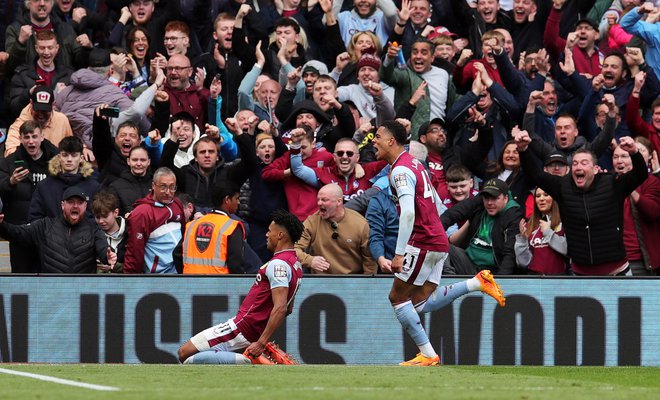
592	219
63	248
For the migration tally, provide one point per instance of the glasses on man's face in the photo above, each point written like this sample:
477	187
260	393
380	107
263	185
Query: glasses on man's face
172	39
335	234
166	188
340	153
177	69
435	129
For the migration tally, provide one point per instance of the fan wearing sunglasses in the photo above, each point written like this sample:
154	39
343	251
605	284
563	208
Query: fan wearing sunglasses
346	157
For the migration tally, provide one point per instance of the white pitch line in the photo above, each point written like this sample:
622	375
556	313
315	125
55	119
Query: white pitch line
59	380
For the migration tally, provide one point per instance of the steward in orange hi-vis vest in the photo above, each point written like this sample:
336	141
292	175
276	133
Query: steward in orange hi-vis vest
205	246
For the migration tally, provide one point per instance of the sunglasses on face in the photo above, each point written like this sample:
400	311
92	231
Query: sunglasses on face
340	153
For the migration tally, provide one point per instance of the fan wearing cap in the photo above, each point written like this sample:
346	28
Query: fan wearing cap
434	135
581	42
369	95
494	218
67	243
54	125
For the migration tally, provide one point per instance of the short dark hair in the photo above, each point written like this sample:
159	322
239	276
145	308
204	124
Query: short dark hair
222	190
104	203
624	64
204	139
457	173
291	224
287	21
396	130
71	144
129	124
422	39
28	127
183	116
584	150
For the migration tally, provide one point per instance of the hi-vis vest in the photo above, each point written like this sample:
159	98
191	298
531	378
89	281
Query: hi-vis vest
205	244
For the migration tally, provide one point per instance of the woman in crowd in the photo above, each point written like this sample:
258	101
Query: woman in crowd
541	245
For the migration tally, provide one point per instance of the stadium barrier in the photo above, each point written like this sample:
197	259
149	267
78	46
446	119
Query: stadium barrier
337	320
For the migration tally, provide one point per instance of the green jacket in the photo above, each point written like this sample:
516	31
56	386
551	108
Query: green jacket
405	82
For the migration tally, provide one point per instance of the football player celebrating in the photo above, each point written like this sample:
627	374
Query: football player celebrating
269	301
422	245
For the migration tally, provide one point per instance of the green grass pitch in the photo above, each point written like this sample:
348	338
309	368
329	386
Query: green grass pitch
332	382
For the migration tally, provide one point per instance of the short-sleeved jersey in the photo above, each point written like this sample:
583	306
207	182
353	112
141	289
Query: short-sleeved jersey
283	270
409	177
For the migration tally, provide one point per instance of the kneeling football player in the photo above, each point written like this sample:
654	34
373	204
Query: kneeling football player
269	301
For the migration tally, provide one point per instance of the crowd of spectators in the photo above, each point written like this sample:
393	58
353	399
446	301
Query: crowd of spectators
138	133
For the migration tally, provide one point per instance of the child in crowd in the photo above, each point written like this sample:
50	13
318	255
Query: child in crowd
105	208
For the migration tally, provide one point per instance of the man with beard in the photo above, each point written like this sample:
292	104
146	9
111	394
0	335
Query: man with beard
68	243
591	206
19	174
53	124
20	39
366	17
46	70
184	95
346	157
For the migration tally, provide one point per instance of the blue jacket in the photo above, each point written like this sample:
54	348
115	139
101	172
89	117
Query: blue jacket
383	219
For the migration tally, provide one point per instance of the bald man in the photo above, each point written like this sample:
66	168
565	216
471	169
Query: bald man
337	238
184	94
